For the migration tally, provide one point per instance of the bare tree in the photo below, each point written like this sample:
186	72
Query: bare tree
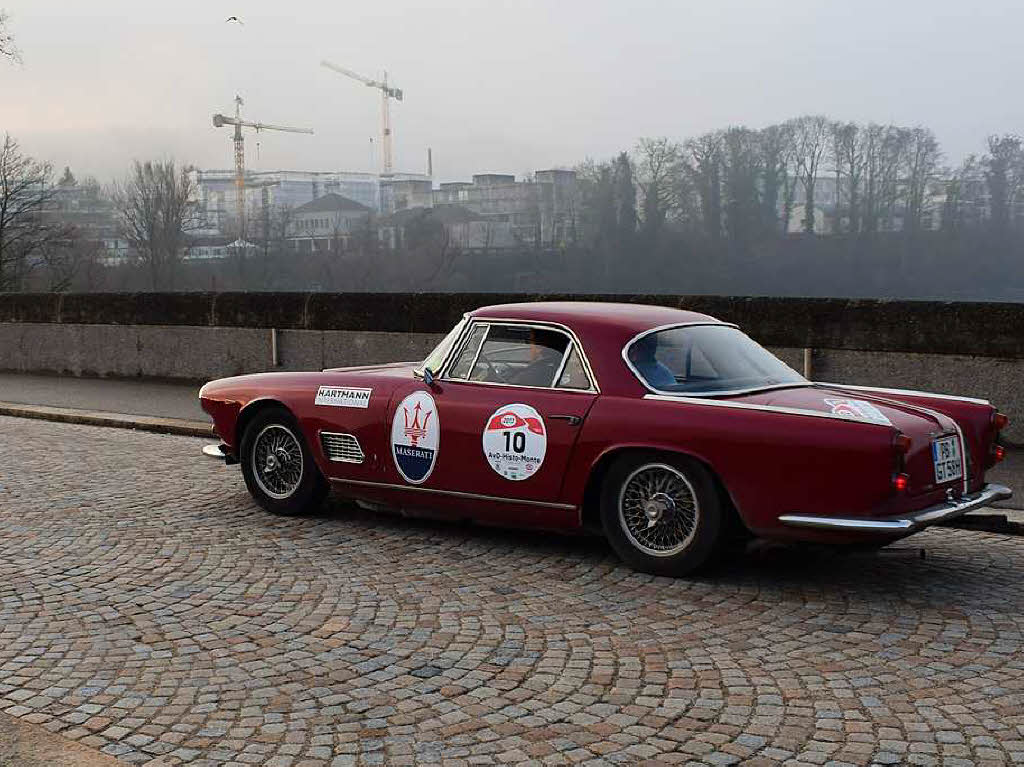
1004	175
156	211
8	49
884	150
775	144
64	258
657	161
847	154
704	165
921	161
741	160
812	134
26	194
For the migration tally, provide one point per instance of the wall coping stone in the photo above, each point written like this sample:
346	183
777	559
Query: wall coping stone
931	327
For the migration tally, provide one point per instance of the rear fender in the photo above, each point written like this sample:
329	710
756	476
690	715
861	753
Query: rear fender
769	462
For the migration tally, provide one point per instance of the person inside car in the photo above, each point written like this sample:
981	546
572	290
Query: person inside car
643	355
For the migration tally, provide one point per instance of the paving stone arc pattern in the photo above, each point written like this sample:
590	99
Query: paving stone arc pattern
149	610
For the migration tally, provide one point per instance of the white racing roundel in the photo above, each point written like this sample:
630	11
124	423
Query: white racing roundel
415	433
515	441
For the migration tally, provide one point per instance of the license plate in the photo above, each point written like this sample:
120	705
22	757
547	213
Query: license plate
948	464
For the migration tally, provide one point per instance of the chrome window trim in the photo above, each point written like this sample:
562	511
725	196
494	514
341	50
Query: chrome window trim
750	406
973	400
463	340
718	393
594	388
561	369
476	357
456	493
418	372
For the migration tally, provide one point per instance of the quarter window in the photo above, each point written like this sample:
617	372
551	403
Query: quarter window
574	375
460	368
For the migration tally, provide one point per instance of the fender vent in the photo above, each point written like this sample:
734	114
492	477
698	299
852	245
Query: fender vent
343	448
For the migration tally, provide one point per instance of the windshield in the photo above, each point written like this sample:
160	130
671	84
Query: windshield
707	358
435	359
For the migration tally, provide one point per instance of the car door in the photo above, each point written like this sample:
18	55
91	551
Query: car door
512	403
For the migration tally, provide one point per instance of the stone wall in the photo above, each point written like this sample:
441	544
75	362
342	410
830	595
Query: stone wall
974	349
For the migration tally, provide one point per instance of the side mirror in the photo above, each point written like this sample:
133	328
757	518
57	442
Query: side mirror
428	375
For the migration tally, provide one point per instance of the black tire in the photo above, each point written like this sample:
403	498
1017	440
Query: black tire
296	486
664	537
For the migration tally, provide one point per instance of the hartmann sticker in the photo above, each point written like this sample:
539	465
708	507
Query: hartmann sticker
858	410
515	441
343	396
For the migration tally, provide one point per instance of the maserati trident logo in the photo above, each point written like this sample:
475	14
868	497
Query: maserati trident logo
415	431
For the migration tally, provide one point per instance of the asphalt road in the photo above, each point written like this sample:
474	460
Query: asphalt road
149	610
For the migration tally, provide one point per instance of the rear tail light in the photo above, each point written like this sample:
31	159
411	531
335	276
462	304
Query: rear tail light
1000	421
900	482
902	443
998	453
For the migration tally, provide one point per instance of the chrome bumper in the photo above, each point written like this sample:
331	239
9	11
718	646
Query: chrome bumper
906	523
220	452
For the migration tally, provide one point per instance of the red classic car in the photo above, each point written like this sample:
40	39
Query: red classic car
664	429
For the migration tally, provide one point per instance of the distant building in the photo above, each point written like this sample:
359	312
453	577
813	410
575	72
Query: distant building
506	213
90	215
217	204
210	247
466	231
537	213
326	224
401	193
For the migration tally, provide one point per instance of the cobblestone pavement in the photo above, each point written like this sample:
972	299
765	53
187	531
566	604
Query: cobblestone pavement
149	610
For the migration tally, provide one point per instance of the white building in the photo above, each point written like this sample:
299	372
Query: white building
217	204
326	224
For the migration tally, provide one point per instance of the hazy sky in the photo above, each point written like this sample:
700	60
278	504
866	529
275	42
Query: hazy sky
493	86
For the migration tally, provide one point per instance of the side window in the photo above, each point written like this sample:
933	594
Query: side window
520	356
574	375
460	368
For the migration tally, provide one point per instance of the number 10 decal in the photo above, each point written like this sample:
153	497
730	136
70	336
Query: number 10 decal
515	441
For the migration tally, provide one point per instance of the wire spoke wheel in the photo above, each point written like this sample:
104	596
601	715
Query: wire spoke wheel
658	509
277	461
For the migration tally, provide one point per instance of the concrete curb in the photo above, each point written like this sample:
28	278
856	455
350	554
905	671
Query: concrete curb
176	426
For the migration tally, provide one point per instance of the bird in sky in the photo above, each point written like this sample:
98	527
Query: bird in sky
233	18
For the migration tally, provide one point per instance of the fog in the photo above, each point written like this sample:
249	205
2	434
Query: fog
493	86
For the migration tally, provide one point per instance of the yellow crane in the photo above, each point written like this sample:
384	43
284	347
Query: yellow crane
387	93
220	121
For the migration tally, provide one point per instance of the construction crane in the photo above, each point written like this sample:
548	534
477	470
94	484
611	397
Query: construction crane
220	121
387	93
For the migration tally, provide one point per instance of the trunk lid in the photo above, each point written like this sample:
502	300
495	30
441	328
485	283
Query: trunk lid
921	425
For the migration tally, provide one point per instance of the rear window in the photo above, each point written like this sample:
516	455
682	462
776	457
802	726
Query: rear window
703	359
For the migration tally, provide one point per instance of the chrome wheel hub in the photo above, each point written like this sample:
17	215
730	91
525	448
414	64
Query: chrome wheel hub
277	461
658	509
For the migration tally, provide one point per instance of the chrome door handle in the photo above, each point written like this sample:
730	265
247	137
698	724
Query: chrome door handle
573	420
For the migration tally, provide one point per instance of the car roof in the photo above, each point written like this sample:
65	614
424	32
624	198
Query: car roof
583	315
603	330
